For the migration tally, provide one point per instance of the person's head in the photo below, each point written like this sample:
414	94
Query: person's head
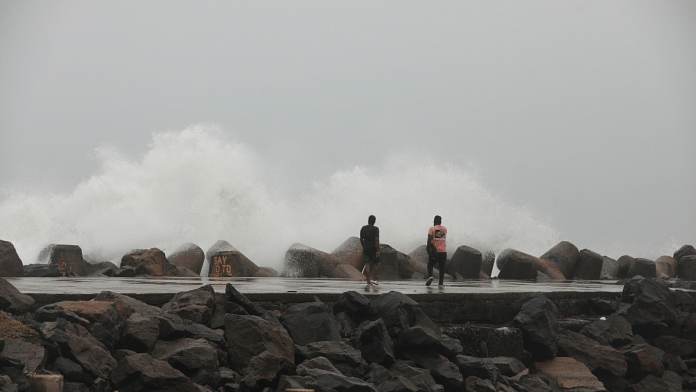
371	220
438	220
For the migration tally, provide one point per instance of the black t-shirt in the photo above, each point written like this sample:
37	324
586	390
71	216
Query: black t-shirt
368	234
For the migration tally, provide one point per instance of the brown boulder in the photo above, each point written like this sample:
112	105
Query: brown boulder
666	267
642	267
249	336
68	258
624	262
588	266
152	263
567	374
233	263
305	262
522	264
189	256
10	263
466	262
350	252
564	255
686	268
686	250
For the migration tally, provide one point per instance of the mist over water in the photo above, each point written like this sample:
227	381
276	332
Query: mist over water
197	186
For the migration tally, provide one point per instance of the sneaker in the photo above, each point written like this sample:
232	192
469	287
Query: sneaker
430	280
441	286
375	282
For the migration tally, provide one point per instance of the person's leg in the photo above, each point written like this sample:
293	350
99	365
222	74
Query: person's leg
442	259
376	271
367	268
431	263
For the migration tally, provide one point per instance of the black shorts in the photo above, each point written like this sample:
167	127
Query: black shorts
372	260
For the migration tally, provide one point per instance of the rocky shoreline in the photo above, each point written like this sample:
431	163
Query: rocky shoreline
641	340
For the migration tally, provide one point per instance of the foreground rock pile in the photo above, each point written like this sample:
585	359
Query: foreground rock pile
203	341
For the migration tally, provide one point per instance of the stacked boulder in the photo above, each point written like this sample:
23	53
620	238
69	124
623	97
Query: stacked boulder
206	341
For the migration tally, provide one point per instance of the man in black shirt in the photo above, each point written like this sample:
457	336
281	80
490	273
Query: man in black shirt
369	238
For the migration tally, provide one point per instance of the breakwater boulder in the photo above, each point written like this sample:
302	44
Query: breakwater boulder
152	262
302	261
10	263
189	256
200	340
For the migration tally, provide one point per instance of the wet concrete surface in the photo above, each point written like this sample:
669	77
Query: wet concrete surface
91	285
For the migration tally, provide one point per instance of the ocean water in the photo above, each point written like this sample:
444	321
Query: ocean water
194	185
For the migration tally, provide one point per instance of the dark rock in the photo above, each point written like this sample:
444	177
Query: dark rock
442	370
389	267
52	312
597	357
199	331
11	300
311	322
564	255
195	305
588	266
686	268
500	342
642	362
142	373
531	384
339	382
475	384
374	343
508	366
10	263
479	367
666	267
651	303
612	331
400	312
42	271
189	256
649	384
140	333
249	336
234	296
72	371
686	250
673	380
344	357
103	313
91	354
466	262
674	363
424	338
352	303
32	356
603	306
642	267
675	346
317	363
265	369
189	356
421	378
538	321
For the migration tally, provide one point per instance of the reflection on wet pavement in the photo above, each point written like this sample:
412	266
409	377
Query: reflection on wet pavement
91	285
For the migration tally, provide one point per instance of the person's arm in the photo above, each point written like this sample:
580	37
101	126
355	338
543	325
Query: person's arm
430	242
377	244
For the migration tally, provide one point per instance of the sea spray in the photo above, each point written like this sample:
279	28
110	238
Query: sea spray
197	186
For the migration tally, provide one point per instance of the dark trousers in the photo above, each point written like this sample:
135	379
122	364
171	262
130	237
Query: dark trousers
441	259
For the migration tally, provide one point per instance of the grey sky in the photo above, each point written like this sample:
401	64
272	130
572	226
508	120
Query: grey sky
585	111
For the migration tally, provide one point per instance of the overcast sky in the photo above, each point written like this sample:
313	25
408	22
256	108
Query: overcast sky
583	111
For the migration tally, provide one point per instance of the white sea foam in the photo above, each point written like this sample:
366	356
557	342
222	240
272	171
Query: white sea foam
196	186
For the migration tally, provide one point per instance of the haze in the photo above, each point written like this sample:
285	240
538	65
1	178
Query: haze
582	112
